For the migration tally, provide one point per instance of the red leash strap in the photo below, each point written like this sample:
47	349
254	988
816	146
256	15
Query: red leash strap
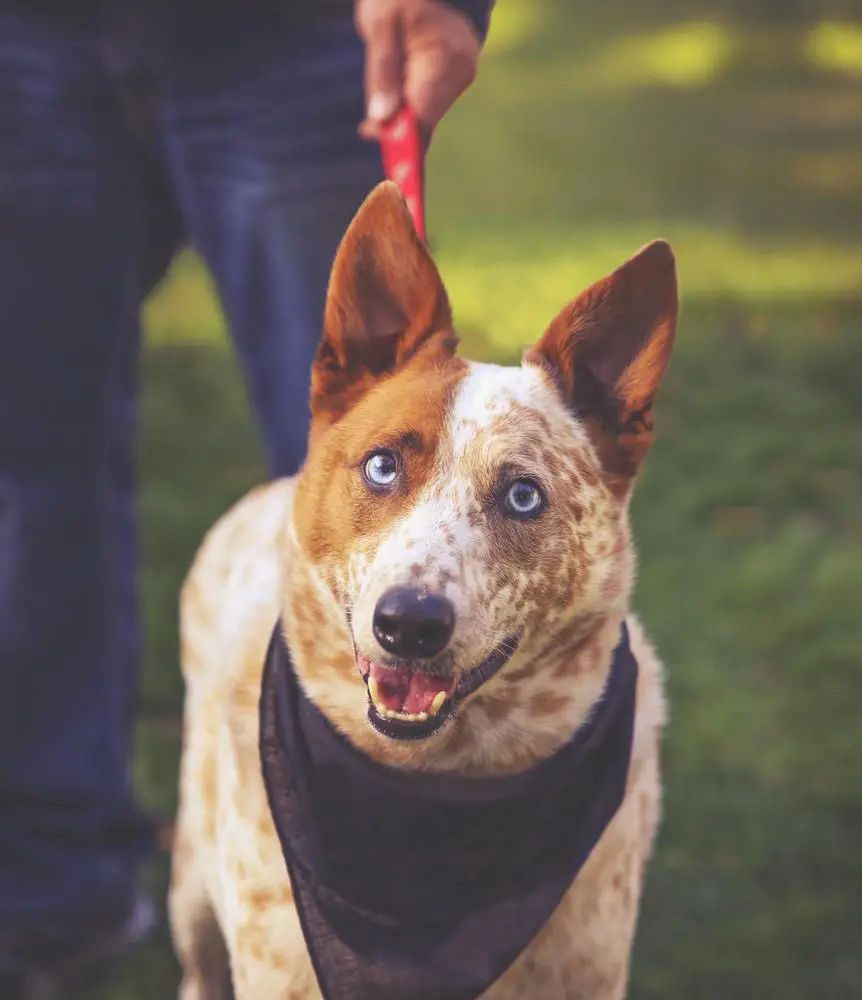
403	162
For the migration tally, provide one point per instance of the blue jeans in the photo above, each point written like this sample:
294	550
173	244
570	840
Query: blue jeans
123	135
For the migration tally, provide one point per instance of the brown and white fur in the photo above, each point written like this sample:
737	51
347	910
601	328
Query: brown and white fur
576	418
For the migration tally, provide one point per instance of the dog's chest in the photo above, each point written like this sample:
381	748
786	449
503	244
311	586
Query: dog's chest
262	925
271	957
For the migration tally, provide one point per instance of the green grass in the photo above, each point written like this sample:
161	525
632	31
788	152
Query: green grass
593	128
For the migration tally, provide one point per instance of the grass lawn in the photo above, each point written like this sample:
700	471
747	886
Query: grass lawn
593	128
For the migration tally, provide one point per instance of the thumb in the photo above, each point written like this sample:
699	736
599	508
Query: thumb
384	68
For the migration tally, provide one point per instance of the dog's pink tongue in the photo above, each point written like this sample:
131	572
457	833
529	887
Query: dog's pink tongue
409	691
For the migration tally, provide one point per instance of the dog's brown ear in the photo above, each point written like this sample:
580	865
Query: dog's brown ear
385	303
607	352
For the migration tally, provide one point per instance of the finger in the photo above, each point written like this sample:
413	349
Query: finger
435	78
384	67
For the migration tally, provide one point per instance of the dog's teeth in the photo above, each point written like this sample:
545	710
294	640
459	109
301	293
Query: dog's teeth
374	690
392	713
437	704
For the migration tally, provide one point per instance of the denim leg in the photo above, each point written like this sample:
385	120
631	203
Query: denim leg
260	120
76	215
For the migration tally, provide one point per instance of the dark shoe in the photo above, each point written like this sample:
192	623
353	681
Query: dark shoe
45	966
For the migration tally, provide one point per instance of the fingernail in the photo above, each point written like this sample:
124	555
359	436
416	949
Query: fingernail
382	106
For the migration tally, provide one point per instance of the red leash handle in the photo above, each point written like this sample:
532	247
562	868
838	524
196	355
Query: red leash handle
403	162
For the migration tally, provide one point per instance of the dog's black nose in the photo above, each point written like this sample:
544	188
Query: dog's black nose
412	624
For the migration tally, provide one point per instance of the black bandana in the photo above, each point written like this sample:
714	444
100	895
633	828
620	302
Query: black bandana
415	886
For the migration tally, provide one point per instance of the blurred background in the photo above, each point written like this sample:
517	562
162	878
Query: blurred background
734	129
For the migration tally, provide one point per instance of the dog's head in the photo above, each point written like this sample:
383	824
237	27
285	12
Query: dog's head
466	523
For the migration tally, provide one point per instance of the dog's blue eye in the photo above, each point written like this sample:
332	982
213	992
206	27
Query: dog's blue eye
523	499
381	468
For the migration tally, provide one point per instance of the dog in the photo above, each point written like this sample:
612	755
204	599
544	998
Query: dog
453	521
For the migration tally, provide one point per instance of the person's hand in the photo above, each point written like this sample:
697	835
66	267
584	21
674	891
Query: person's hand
423	53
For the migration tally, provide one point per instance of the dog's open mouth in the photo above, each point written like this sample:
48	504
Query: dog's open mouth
411	704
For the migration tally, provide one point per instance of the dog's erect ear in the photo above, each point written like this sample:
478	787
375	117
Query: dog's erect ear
385	303
607	351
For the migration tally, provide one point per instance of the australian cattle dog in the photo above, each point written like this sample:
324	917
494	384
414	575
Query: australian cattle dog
422	725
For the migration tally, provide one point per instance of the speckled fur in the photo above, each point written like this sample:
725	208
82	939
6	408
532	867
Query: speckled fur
311	547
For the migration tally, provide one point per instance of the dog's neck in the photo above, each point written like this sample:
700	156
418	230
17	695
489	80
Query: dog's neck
523	715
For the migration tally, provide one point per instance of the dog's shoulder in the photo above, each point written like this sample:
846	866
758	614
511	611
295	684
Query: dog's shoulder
230	598
229	605
651	703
